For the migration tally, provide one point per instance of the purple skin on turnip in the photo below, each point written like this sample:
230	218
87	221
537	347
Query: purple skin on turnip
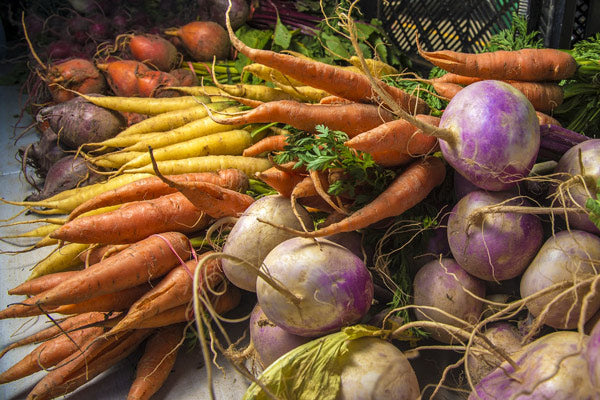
566	257
576	194
493	246
593	356
332	287
552	367
496	134
270	341
442	284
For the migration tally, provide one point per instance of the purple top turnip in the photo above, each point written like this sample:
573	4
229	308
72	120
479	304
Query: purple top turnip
577	193
496	134
493	246
332	287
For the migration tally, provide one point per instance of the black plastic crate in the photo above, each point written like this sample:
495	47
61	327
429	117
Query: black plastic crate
466	25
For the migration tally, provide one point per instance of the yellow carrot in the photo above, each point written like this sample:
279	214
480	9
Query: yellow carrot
377	68
303	93
62	259
70	199
249	165
146	105
223	143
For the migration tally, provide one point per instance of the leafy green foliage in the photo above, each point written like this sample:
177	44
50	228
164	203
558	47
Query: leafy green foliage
362	179
593	205
515	38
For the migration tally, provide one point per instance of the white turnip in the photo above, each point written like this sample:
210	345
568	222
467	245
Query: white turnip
252	240
568	257
493	246
332	288
443	284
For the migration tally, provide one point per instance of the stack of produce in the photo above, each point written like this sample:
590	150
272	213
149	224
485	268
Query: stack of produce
358	170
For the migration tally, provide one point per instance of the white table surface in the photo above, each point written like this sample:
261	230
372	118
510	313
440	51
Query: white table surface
188	377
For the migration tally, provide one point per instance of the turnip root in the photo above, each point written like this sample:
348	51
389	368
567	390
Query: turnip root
552	367
493	246
77	74
270	341
203	40
376	369
240	10
443	284
568	257
353	364
77	122
154	50
332	288
593	357
500	334
582	161
252	240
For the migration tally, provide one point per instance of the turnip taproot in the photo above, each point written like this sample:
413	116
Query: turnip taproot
154	50
593	357
252	240
494	246
551	367
332	287
567	257
443	284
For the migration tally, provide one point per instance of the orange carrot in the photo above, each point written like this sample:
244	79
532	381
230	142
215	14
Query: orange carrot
268	144
50	353
157	361
152	187
41	284
282	181
344	83
135	221
456	79
544	96
546	119
78	369
143	261
534	65
175	289
96	254
351	118
26	308
391	158
184	313
66	325
396	135
446	89
334	100
211	199
110	302
407	190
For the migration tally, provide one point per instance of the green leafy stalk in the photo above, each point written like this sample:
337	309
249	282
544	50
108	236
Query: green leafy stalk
593	206
326	151
515	38
312	370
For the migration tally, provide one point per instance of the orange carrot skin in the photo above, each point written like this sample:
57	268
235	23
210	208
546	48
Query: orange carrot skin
407	190
175	289
118	301
152	187
546	119
282	181
214	200
97	357
534	65
184	313
337	81
395	135
50	353
544	96
447	89
68	324
456	79
143	261
171	212
25	308
268	144
334	100
351	118
157	361
41	284
96	254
